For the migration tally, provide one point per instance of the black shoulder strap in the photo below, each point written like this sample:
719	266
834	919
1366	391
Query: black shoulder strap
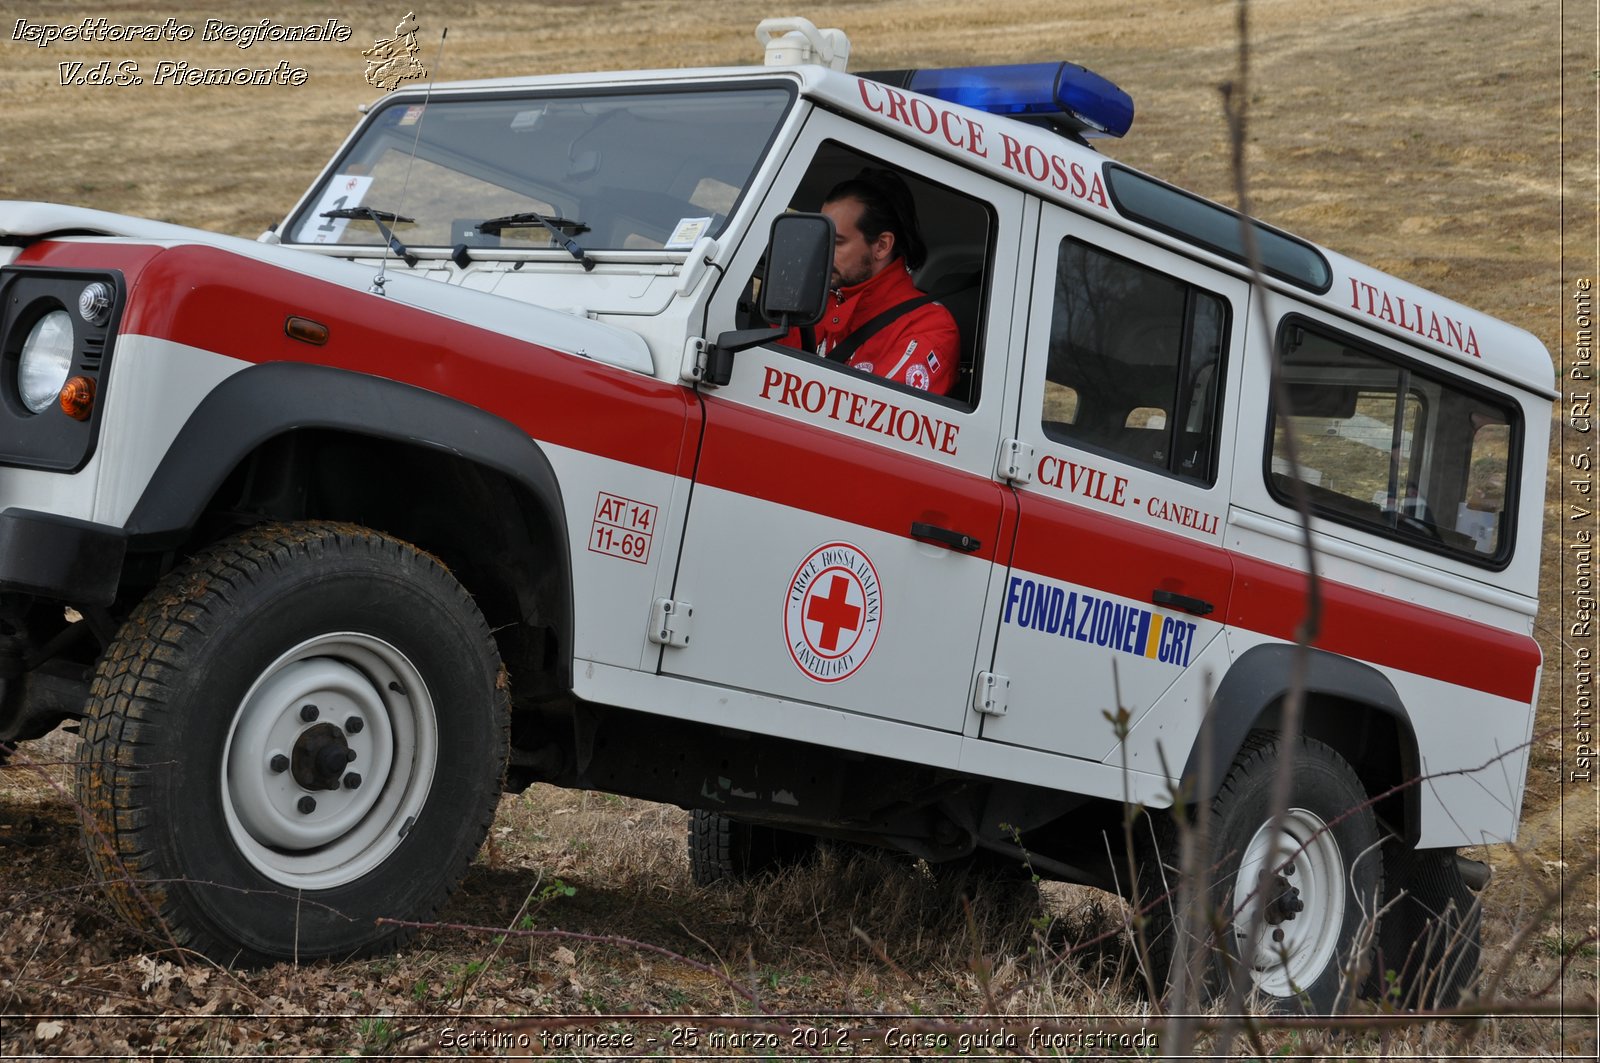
853	342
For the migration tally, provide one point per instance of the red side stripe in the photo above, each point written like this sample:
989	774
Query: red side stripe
765	455
752	453
1127	559
222	302
1073	544
218	301
1270	599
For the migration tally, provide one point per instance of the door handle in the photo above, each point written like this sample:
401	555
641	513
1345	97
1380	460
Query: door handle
1183	603
944	536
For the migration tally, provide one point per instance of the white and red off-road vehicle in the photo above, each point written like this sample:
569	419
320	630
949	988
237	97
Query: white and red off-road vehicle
485	468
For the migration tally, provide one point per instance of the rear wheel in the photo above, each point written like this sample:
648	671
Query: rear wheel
1289	928
723	849
299	732
1432	932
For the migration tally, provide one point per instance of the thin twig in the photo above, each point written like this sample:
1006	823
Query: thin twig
1235	97
500	942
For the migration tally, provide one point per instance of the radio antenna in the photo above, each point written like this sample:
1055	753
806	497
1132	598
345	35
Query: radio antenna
405	185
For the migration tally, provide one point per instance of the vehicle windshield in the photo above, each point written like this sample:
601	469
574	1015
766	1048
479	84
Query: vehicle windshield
630	171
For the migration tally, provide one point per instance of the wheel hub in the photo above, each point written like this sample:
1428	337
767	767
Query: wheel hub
1285	903
330	758
1294	927
320	756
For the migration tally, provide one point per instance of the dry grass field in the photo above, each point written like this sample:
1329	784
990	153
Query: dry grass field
1423	136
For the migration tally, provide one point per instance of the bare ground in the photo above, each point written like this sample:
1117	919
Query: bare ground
1424	136
602	884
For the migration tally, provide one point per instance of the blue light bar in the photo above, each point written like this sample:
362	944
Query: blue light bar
1060	94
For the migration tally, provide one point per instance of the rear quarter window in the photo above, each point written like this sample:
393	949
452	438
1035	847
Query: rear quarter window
1397	448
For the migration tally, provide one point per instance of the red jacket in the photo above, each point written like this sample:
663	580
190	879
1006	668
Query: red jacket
921	348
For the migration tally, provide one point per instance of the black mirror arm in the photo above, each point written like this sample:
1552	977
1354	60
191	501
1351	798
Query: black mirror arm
744	339
719	356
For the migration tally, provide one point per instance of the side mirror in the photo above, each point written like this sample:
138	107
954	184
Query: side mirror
794	292
799	265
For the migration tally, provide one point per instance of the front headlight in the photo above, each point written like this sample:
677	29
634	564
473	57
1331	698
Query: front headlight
45	361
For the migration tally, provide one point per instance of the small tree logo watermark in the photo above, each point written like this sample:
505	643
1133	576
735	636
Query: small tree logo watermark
393	61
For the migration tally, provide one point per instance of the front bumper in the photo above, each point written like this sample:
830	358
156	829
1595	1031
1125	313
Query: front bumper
74	561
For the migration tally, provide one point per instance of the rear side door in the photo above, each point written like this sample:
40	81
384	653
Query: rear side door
1119	581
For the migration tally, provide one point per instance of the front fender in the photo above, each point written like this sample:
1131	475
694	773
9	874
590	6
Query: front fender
263	401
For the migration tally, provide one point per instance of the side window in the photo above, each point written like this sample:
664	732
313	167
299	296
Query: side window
956	233
1135	363
1394	448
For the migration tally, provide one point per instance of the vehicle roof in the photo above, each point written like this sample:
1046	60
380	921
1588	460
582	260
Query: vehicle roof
1058	169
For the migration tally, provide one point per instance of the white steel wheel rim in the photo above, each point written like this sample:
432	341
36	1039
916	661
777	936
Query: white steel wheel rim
1309	860
348	676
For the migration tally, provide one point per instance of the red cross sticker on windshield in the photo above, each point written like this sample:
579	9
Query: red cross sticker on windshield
833	611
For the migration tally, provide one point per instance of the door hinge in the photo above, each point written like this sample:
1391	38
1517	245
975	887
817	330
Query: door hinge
989	696
693	368
1016	461
670	622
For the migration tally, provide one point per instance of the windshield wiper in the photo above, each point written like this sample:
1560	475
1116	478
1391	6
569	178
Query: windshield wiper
378	217
527	218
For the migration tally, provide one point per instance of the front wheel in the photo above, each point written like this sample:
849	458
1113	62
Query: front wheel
1289	928
300	731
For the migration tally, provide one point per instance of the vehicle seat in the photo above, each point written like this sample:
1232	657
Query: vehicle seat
957	282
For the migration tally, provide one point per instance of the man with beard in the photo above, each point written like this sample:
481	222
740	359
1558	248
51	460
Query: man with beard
877	320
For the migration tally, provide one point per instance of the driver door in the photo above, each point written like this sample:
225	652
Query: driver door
823	551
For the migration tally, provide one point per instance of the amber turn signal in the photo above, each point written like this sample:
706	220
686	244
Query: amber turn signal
306	330
77	398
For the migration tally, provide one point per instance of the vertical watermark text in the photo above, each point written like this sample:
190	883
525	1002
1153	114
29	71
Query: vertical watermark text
1578	532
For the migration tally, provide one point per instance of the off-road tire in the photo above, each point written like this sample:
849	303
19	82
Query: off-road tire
1431	942
724	850
1340	873
217	656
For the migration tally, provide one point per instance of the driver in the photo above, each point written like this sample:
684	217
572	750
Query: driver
877	320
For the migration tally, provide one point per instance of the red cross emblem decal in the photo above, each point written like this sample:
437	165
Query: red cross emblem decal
832	613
